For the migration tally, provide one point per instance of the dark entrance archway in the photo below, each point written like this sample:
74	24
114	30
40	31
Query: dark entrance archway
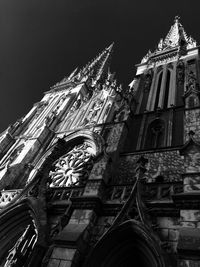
128	245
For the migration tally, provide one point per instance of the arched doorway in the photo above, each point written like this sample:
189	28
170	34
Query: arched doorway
19	235
128	245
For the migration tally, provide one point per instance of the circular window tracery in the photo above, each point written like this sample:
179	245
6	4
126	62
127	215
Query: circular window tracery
72	168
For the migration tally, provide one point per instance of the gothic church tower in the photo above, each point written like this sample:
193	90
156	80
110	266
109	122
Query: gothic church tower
99	175
54	165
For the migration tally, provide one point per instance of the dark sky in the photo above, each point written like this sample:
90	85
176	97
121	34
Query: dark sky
41	41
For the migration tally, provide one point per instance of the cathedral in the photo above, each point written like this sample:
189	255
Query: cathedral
99	175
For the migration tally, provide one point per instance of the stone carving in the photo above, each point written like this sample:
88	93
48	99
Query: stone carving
72	168
193	161
122	113
99	169
92	116
76	105
191	85
146	57
114	137
40	107
191	43
180	72
12	156
93	113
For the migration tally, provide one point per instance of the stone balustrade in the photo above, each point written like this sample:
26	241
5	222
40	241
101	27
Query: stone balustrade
65	193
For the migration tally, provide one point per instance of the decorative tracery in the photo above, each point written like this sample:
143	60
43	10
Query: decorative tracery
72	168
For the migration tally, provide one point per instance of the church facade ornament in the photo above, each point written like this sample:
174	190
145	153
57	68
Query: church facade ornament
72	168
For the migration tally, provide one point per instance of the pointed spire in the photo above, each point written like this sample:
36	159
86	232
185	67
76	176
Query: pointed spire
173	36
72	74
176	37
110	47
97	68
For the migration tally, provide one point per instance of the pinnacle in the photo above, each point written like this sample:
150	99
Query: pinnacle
110	47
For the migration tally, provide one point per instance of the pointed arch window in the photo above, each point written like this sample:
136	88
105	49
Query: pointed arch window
158	90
167	86
155	134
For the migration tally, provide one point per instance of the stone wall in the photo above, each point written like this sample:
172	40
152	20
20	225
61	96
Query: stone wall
168	164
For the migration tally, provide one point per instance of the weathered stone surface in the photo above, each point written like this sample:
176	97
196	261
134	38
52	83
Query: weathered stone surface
192	159
163	234
114	138
190	215
168	164
63	253
81	216
188	263
168	222
65	263
192	183
173	235
189	239
192	123
188	224
53	263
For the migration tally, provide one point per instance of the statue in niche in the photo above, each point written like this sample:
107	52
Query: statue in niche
76	105
93	113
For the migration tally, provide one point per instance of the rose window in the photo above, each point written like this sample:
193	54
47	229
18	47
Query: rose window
72	168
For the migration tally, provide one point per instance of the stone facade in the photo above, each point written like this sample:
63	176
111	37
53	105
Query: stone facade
100	175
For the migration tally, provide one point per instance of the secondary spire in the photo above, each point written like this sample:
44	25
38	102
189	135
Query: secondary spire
175	38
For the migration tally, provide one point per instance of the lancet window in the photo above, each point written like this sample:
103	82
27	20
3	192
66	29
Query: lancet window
158	90
155	134
167	86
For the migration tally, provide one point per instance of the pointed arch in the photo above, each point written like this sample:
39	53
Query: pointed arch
128	244
20	234
63	145
160	75
167	87
155	136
